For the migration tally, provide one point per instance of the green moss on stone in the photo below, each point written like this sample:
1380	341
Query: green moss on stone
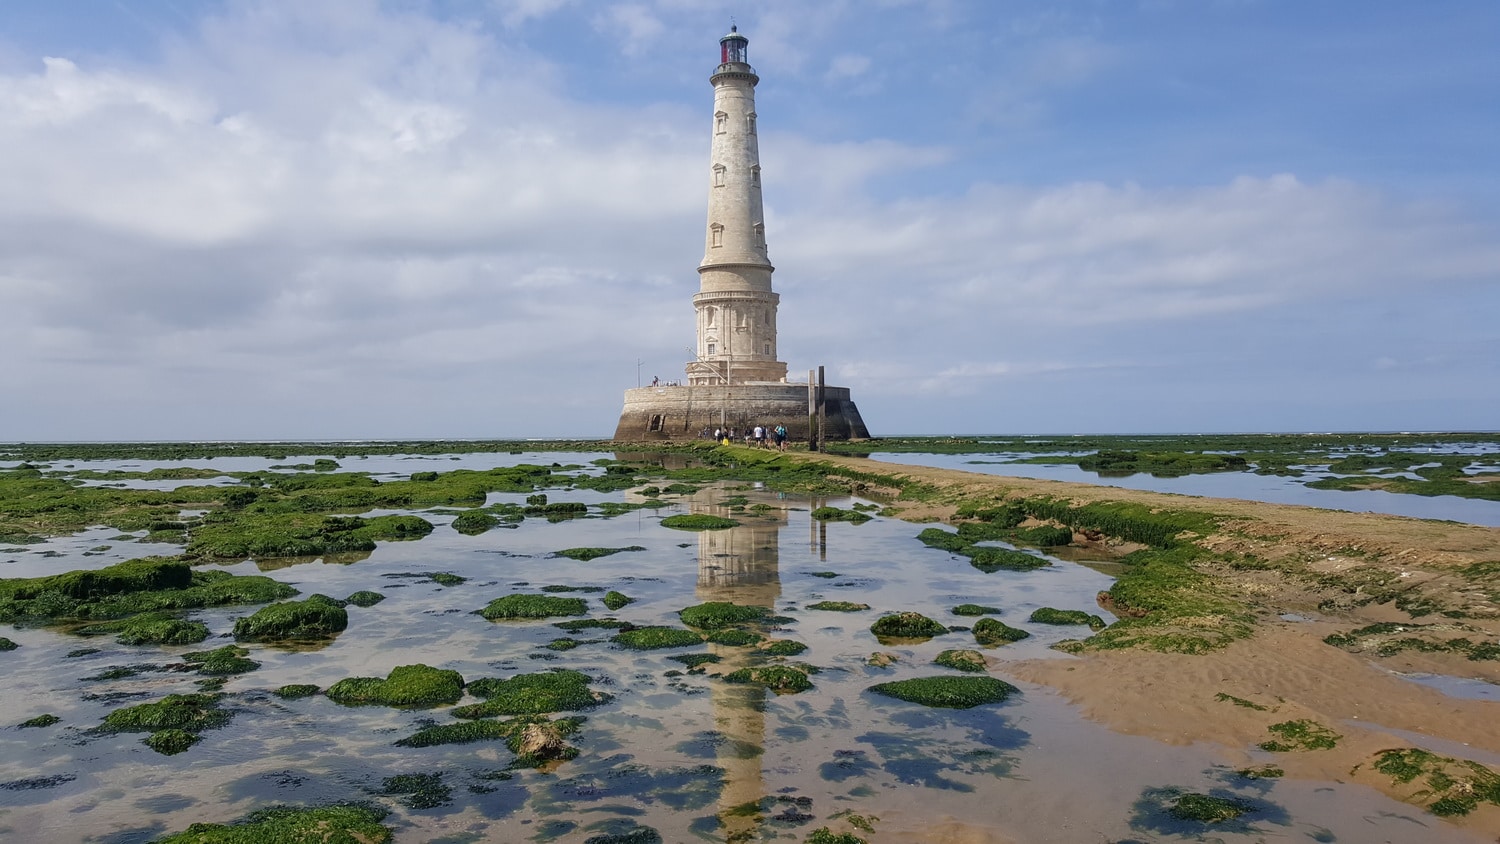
230	535
1207	808
1048	615
294	691
1452	786
364	598
962	660
989	559
339	824
171	742
778	678
532	694
948	692
1263	772
192	712
695	660
592	624
974	609
838	606
824	835
406	685
907	625
125	589
586	554
1300	735
474	522
45	720
7	645
419	791
157	629
654	638
223	661
716	615
784	647
834	514
992	631
734	638
533	606
615	600
698	521
317	617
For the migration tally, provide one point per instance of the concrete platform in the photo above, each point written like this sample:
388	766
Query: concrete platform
684	412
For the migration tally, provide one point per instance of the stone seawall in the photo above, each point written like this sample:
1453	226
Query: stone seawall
683	412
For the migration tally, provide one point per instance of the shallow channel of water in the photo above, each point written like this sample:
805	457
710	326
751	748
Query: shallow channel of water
676	752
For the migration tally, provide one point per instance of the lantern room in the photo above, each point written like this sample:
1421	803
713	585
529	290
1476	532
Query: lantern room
733	47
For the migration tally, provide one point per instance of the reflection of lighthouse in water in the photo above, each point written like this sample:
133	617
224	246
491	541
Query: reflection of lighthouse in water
739	565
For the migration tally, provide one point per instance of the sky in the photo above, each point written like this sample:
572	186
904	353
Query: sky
274	219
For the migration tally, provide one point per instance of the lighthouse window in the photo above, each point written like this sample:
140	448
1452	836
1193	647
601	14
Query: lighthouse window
719	175
750	123
716	234
768	348
760	235
721	122
712	348
755	175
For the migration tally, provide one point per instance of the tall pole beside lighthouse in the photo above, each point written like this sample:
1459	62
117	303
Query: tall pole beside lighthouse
736	308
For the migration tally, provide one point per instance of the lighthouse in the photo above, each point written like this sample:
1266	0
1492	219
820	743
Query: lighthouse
735	379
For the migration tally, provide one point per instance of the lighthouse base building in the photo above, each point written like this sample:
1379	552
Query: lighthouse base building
736	380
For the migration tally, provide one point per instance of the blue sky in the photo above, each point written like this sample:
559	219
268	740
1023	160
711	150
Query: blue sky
470	219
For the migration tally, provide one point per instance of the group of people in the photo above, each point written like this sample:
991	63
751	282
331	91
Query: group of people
759	436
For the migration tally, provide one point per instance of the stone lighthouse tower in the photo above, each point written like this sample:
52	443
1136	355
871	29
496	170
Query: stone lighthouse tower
736	307
735	379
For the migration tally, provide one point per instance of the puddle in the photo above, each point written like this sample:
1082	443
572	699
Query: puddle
1461	687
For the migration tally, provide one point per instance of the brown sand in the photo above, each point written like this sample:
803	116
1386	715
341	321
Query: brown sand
1285	667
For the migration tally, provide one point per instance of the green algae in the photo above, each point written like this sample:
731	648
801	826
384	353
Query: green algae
419	791
698	521
364	598
154	628
834	514
780	679
171	742
962	660
534	740
717	615
1165	603
532	694
990	560
406	685
991	631
906	625
44	720
295	691
560	588
947	691
827	575
585	554
824	835
464	732
237	536
838	606
734	638
655	638
7	644
563	644
316	617
1300	735
1454	787
615	600
1263	772
474	522
130	588
974	609
1049	615
1207	808
577	624
336	824
695	660
191	712
519	606
224	661
1239	701
784	647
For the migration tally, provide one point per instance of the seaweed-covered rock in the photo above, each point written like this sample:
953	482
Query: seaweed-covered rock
532	694
364	598
126	589
45	720
1048	615
406	685
474	522
1207	808
533	606
192	712
948	692
824	835
716	615
655	638
586	554
734	638
222	661
778	678
989	560
784	647
158	629
317	617
293	691
615	600
421	791
962	660
834	514
344	823
838	606
698	521
992	631
7	645
974	609
171	742
907	625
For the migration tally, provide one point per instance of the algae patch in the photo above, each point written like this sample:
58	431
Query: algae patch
406	685
948	692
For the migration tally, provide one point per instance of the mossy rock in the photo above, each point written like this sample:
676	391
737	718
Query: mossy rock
784	647
364	598
991	631
615	600
532	694
421	791
242	535
656	638
778	678
588	553
962	660
1207	808
317	617
406	685
295	691
734	638
1451	787
533	606
838	606
1300	735
698	521
695	660
192	712
990	560
474	522
1048	615
127	589
907	625
834	514
45	720
948	692
7	645
339	824
222	662
974	609
171	742
717	615
824	835
160	629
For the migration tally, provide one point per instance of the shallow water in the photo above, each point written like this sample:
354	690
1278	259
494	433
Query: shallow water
671	752
1246	485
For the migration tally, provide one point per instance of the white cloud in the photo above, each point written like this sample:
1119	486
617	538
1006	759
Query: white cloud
847	66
